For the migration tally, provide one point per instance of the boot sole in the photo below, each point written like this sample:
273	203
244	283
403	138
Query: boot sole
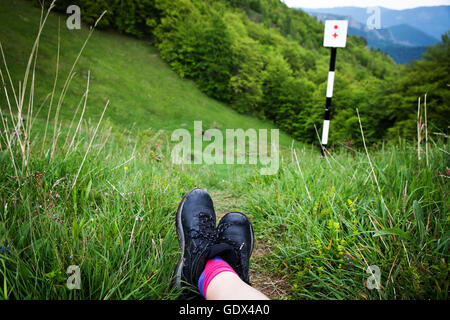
181	241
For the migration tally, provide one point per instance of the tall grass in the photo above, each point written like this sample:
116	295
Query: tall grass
389	210
83	200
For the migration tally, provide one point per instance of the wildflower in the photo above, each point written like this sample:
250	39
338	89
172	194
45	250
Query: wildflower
1	249
351	205
125	168
330	224
139	218
337	226
71	257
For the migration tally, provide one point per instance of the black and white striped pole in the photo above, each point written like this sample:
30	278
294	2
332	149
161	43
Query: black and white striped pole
335	36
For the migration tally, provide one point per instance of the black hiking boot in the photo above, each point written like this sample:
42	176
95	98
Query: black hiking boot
235	230
196	230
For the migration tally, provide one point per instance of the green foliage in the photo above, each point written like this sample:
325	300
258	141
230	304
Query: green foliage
266	59
137	18
430	76
248	78
200	50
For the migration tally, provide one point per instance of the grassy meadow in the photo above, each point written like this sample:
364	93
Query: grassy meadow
87	179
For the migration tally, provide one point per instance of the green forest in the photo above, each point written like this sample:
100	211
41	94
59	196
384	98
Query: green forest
265	59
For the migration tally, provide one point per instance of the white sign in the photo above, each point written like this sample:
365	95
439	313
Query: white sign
335	33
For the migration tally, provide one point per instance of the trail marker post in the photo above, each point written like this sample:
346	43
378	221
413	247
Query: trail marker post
335	36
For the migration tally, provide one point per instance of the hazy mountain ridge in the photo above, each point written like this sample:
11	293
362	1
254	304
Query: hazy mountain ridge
433	21
402	41
402	34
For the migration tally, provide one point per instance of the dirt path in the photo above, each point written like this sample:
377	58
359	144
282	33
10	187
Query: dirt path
262	279
225	202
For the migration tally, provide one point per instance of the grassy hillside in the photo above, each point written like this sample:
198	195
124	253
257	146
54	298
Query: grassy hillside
142	89
106	202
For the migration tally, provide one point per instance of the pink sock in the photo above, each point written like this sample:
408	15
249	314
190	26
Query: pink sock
213	268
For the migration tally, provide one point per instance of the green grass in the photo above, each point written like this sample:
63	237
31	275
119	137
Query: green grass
349	224
109	208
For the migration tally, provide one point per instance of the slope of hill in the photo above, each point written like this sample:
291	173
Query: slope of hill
259	57
143	90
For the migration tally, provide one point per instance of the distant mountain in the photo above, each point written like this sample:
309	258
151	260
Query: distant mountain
410	36
433	21
403	42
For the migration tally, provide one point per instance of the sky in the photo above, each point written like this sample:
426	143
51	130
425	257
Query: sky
391	4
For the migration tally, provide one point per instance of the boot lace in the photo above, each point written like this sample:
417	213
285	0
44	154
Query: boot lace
205	232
